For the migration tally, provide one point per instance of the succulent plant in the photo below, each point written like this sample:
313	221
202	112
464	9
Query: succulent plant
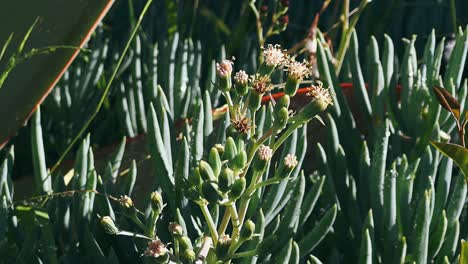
230	185
399	200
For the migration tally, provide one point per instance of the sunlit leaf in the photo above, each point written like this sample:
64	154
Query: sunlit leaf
458	153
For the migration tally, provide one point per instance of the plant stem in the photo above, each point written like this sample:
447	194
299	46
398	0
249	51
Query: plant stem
286	134
345	38
453	14
235	246
235	220
210	222
245	254
106	90
245	200
255	146
273	180
252	128
137	221
224	223
232	112
204	249
176	251
258	22
152	228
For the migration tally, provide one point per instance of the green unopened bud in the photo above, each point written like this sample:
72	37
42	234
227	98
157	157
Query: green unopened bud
247	230
219	148
195	177
209	193
206	171
127	205
255	100
289	163
156	202
237	189
188	256
222	248
185	243
215	161
283	101
230	149
263	156
291	86
156	252
241	80
240	160
231	131
193	194
109	226
224	70
281	118
321	99
176	230
226	177
266	246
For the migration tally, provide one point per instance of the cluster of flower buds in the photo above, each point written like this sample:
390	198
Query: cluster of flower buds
232	172
186	253
218	178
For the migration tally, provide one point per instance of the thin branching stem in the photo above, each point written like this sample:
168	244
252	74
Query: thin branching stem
106	90
210	222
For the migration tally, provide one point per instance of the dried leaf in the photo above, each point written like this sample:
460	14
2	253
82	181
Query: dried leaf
447	101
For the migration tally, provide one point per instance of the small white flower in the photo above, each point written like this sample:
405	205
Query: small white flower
298	70
317	92
261	84
265	152
273	55
156	248
126	201
241	78
224	68
290	161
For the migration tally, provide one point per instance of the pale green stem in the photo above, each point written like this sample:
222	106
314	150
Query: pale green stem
258	22
235	246
273	180
232	111
245	200
345	38
224	223
286	134
252	128
152	228
245	254
235	220
210	222
137	221
176	251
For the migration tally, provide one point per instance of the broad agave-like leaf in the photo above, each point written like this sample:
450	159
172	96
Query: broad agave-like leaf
59	23
457	153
